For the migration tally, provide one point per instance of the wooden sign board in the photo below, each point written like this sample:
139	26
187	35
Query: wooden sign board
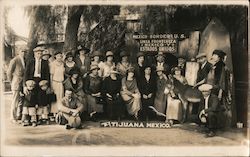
158	42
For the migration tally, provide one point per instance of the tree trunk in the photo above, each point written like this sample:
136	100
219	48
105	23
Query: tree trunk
74	16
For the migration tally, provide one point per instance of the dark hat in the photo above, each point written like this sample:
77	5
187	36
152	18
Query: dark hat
57	52
80	47
124	53
139	54
96	53
147	65
74	71
220	53
69	55
131	69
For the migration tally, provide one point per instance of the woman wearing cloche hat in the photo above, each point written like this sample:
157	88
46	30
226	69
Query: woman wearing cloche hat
147	88
106	67
130	93
111	88
124	65
92	87
69	63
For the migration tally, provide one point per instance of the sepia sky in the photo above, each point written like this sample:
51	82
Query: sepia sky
18	21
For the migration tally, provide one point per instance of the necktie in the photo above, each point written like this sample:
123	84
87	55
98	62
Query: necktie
39	67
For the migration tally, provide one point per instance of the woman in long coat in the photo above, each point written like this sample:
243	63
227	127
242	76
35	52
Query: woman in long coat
147	88
93	87
130	94
69	64
111	89
74	83
160	97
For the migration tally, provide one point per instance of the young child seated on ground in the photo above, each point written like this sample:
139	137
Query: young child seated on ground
45	97
29	105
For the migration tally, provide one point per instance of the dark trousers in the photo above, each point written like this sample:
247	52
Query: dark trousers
37	87
114	108
212	121
146	113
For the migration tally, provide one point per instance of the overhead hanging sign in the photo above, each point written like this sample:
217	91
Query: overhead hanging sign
161	42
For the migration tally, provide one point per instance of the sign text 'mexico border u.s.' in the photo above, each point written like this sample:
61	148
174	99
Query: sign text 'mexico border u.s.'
159	42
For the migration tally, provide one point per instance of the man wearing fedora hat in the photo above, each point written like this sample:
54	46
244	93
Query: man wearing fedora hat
205	68
37	69
15	75
160	61
82	59
46	55
209	109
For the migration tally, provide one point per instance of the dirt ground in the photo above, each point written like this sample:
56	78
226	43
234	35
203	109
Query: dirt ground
93	134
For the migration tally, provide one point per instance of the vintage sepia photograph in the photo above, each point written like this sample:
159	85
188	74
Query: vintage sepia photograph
110	78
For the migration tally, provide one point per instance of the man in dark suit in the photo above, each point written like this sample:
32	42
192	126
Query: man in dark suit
209	110
37	69
15	74
205	68
160	62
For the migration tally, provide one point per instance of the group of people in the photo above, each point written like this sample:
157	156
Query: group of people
70	87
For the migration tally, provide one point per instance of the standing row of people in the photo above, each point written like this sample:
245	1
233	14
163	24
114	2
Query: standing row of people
106	87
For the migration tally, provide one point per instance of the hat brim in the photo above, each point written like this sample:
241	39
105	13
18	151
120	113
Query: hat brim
46	54
114	72
94	68
109	56
86	50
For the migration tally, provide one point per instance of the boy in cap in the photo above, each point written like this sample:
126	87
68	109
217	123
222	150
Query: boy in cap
46	96
29	104
209	109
